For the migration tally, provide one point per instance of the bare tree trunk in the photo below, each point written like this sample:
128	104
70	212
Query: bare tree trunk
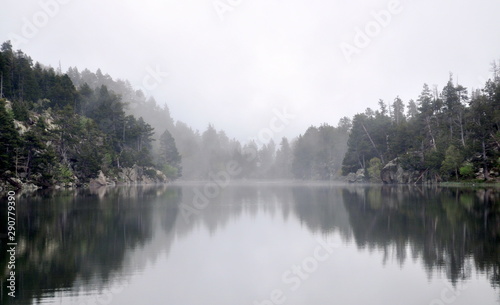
460	123
373	143
495	140
462	135
427	120
486	172
451	128
16	162
118	158
360	163
27	166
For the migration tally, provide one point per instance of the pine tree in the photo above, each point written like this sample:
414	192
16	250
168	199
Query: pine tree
9	138
452	160
399	110
169	159
284	159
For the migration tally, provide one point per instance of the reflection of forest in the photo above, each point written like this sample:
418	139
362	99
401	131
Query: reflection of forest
448	228
74	237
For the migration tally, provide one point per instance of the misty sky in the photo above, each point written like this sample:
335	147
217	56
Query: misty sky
231	62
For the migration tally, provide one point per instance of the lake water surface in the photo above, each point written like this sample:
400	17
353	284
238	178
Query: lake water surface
262	243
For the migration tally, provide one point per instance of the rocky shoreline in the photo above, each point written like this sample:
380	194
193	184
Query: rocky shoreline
135	175
394	173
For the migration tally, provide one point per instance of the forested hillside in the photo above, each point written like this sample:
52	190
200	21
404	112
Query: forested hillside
52	132
64	128
443	135
317	154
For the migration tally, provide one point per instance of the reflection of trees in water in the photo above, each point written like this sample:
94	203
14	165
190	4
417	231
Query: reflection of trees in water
169	200
71	236
448	228
233	202
321	209
80	236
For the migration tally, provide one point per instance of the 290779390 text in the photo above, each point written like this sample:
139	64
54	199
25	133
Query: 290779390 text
11	243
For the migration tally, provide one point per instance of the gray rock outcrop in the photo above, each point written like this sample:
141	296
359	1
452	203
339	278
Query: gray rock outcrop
393	173
357	177
130	176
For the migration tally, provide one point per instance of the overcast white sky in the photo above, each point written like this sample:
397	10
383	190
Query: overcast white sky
234	66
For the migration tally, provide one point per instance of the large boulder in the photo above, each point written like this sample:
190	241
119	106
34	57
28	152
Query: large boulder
388	174
101	180
130	175
141	175
393	173
357	177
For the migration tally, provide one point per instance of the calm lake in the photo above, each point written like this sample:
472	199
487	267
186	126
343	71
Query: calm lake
262	243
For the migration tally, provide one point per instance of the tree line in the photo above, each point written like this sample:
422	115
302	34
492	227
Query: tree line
448	134
52	131
317	154
66	127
